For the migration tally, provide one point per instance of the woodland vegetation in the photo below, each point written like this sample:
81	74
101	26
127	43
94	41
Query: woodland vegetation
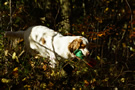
108	24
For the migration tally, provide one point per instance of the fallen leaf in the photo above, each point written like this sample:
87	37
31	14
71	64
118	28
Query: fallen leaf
122	80
50	84
15	69
43	85
98	58
6	52
27	86
24	79
44	67
106	9
82	33
4	80
86	82
6	3
52	74
93	80
15	72
14	55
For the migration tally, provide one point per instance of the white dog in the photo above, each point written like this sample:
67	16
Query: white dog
48	43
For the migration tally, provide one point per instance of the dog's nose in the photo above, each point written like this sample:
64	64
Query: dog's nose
87	54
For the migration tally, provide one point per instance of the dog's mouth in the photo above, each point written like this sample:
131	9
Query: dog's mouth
80	53
85	52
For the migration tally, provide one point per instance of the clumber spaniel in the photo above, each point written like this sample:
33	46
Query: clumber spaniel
49	43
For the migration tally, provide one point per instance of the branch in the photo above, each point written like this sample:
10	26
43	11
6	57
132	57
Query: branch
131	14
10	5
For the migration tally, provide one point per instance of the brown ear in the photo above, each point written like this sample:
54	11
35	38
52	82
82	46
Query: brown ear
82	45
74	45
43	40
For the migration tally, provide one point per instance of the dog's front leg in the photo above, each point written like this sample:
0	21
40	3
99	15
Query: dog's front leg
52	60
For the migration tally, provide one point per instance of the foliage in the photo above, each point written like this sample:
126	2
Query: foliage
109	26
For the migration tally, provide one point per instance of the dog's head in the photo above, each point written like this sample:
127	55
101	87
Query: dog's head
80	43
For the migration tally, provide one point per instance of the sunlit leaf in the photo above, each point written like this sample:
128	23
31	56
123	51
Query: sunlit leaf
132	49
52	74
43	85
44	67
6	52
15	69
93	80
4	80
122	80
32	63
6	3
20	40
14	55
94	38
99	19
27	86
98	58
24	79
15	72
100	35
86	82
106	9
106	79
73	88
82	33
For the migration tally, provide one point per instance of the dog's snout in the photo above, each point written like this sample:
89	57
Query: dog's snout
87	54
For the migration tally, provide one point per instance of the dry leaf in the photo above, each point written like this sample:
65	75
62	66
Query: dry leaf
50	84
98	58
15	72
106	9
44	67
15	69
6	52
82	33
86	82
4	80
122	80
14	55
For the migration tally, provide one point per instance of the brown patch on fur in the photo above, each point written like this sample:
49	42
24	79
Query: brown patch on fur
43	40
76	44
82	46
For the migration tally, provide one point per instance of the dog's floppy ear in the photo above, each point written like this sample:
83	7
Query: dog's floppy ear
74	45
43	40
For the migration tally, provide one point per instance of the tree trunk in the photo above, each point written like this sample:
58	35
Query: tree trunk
65	14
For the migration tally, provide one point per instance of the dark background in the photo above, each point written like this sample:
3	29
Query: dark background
108	24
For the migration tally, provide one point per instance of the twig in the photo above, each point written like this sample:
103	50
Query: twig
83	60
118	75
10	5
21	53
131	14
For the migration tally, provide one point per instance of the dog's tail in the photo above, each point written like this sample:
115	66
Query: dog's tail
18	34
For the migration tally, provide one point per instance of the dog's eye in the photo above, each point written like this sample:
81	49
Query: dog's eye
83	46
